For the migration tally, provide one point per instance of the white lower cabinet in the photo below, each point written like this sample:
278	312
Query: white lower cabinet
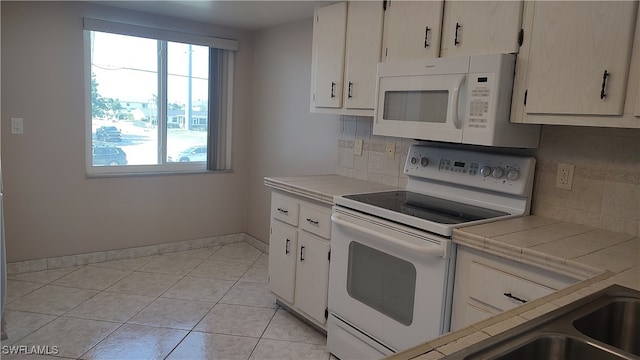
299	255
312	276
486	285
283	244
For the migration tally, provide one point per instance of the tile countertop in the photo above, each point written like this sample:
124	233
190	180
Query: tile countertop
324	187
598	257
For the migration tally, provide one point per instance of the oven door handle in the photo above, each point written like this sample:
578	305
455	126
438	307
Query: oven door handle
425	250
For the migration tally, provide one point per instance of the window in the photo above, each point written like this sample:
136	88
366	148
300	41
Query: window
159	101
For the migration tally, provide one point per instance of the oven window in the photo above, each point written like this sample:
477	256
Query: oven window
381	281
429	106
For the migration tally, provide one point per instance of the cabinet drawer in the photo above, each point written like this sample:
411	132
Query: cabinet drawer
284	209
316	221
502	290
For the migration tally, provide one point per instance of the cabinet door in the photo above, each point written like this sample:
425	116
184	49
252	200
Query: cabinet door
312	279
412	30
474	314
480	27
329	31
579	57
282	260
637	113
364	43
638	102
487	284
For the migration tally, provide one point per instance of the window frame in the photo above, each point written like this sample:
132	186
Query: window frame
162	37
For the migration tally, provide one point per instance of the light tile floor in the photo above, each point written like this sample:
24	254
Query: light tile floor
210	303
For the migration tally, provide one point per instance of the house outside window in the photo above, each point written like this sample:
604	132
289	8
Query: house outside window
154	95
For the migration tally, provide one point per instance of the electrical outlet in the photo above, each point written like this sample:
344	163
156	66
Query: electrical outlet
391	151
17	126
564	177
357	148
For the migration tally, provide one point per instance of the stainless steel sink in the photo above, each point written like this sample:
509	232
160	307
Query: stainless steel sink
547	347
616	323
601	326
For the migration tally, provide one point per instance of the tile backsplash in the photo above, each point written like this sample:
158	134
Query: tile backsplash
373	165
606	183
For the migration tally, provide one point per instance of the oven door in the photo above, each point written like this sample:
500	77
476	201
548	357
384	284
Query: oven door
389	281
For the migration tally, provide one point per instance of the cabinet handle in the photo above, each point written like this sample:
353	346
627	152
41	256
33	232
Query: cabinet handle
311	221
349	90
301	253
514	298
603	93
333	87
426	36
284	211
286	247
455	40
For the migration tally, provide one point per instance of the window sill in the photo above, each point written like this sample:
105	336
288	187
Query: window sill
154	173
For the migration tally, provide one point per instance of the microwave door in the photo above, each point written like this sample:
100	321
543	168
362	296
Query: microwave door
420	107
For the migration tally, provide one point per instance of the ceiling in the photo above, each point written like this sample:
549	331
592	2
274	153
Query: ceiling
249	15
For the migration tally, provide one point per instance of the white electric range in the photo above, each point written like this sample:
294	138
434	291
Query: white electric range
392	260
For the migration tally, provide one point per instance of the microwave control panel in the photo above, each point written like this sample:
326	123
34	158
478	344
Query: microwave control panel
481	89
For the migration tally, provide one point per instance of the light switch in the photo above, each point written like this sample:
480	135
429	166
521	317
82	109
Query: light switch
17	126
357	147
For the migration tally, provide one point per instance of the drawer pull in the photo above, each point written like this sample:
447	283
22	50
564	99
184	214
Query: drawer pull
311	221
284	211
286	247
514	298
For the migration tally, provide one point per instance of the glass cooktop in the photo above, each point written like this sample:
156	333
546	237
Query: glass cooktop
426	207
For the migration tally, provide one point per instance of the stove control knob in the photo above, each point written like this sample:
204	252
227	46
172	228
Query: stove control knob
485	171
424	162
414	160
498	173
513	175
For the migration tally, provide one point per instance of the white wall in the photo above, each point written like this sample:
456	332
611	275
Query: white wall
285	138
51	208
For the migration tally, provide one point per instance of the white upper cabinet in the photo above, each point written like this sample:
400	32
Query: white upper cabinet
364	41
480	27
412	30
580	55
347	40
329	28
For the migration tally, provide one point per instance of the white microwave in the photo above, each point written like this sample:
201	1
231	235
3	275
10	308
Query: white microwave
459	99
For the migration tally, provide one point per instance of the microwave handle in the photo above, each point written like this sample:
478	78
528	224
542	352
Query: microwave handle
456	103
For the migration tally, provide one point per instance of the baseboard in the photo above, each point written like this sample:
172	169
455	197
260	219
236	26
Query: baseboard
110	255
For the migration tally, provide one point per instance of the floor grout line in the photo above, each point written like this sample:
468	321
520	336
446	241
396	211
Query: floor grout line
238	279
